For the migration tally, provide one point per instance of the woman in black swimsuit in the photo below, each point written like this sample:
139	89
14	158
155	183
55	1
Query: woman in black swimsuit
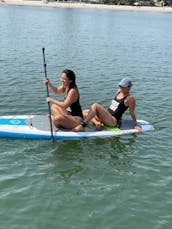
111	116
67	113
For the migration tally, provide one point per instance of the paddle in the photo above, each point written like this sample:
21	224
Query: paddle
49	108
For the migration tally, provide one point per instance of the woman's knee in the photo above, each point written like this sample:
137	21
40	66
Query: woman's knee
85	112
95	106
58	118
53	107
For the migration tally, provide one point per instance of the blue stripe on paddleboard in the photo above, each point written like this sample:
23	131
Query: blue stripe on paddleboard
38	136
12	121
145	126
23	135
142	124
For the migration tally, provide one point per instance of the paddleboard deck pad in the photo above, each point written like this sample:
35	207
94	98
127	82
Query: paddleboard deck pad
38	126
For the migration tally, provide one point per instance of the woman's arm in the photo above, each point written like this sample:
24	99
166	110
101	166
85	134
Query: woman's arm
70	98
132	104
54	89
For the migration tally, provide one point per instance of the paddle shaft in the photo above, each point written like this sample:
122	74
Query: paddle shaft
49	108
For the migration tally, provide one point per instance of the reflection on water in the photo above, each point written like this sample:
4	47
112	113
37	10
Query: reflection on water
111	155
104	177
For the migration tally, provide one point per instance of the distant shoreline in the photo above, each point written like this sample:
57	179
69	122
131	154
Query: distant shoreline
84	5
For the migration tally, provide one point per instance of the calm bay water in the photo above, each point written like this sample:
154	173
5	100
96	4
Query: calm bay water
119	183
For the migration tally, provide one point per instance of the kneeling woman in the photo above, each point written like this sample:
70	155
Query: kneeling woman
67	113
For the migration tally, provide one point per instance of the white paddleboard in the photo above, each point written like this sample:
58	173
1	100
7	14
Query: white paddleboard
38	126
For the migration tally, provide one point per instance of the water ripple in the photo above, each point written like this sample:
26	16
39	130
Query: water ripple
122	182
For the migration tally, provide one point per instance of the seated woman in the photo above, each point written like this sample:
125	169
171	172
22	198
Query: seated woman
111	117
67	113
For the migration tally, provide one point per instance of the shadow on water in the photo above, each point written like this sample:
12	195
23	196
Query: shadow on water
96	156
70	159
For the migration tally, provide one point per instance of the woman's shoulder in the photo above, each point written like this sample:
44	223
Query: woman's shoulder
130	100
73	91
130	97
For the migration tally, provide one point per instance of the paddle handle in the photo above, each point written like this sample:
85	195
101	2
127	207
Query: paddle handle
49	107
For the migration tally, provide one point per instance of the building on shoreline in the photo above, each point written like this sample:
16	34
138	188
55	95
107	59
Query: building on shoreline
160	3
135	3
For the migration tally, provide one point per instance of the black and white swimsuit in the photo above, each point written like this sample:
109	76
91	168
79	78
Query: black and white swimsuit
117	107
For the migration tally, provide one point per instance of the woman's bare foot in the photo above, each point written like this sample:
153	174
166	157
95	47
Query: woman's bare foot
78	128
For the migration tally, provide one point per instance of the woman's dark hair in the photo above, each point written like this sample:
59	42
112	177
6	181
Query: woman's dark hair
71	76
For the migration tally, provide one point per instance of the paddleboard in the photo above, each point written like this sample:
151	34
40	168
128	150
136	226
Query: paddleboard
38	126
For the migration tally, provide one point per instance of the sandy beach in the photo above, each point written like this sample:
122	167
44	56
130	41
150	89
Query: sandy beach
83	5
